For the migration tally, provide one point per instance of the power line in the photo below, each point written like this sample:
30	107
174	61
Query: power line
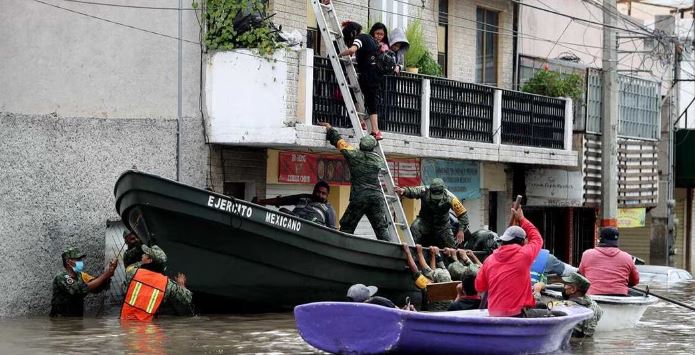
129	6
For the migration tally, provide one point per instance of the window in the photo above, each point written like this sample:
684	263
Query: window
392	13
313	36
443	34
486	46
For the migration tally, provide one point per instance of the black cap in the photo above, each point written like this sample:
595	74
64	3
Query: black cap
609	236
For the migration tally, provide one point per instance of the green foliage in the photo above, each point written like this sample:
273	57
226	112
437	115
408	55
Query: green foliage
218	17
417	47
549	83
429	65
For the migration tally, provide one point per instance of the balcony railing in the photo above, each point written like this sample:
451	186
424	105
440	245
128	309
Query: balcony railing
440	108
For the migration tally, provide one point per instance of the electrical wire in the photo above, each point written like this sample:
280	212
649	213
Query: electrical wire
129	6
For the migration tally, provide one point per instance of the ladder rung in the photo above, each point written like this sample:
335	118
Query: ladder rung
392	197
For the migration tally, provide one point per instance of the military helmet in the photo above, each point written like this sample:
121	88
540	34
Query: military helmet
437	188
367	143
581	282
73	253
155	253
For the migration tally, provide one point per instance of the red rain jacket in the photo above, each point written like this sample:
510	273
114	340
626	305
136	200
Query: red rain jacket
506	277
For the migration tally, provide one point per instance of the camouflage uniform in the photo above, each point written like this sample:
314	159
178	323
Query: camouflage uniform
587	327
180	298
132	255
437	275
457	269
432	227
68	294
366	196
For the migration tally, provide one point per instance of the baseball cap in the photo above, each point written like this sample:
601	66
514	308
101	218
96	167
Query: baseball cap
513	232
360	292
73	253
574	278
156	253
609	236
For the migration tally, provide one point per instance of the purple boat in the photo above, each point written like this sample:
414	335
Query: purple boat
359	328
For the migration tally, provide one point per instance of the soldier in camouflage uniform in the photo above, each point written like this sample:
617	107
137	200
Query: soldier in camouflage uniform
432	227
366	196
176	295
574	292
71	285
134	252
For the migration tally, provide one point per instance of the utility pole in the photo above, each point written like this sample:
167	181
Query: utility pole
609	124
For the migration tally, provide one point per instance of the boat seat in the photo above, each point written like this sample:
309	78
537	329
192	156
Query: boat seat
442	291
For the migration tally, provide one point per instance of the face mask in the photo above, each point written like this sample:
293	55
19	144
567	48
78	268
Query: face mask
79	266
565	295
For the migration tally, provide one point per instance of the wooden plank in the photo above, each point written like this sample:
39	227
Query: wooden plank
442	291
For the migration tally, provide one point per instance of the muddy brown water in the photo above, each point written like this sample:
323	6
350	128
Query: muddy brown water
665	329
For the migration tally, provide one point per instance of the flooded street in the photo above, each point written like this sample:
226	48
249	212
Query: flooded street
665	328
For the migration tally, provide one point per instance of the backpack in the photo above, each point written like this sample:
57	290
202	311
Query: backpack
386	62
311	211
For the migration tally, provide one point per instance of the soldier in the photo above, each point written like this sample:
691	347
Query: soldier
71	285
575	289
313	207
134	252
366	196
432	227
148	287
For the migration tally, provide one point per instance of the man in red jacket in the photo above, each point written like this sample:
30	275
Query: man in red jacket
505	274
609	269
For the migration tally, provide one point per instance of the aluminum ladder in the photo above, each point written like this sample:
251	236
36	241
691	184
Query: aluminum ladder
332	35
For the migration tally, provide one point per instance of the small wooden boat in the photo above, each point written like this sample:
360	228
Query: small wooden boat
359	328
622	312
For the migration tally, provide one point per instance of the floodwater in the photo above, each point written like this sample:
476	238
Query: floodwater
665	328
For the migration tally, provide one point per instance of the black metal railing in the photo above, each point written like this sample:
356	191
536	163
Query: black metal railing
399	104
532	120
461	110
400	108
328	105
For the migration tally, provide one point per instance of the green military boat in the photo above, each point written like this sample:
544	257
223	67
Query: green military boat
242	257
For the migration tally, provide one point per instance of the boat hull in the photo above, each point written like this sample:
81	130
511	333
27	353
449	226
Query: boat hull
352	328
241	257
621	312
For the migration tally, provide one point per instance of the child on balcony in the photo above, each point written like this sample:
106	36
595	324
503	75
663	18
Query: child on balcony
365	48
380	35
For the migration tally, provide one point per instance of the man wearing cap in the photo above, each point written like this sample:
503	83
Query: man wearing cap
505	274
71	285
432	226
366	294
148	287
610	270
574	291
366	196
134	252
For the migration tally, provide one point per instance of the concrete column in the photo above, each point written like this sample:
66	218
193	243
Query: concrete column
497	117
305	89
425	108
569	122
609	124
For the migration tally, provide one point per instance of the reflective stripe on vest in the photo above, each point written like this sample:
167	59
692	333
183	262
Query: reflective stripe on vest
538	266
145	294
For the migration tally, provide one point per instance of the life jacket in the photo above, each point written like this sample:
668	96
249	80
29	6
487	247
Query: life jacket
311	211
538	266
145	294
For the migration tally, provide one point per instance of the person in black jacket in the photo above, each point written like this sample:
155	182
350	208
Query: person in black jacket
365	48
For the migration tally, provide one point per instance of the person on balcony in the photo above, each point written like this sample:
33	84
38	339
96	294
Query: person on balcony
432	227
312	207
365	48
610	270
366	195
399	44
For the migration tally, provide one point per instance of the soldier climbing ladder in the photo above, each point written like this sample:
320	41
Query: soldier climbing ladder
331	33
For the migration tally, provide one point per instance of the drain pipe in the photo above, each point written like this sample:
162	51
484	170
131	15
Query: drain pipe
179	99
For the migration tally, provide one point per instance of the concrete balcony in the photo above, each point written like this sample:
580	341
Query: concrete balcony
422	116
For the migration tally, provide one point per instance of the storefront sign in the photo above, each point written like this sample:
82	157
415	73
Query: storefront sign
554	187
309	168
631	217
462	177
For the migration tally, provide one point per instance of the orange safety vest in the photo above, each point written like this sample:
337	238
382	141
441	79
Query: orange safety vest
145	294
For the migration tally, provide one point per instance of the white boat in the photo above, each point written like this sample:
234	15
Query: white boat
622	312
